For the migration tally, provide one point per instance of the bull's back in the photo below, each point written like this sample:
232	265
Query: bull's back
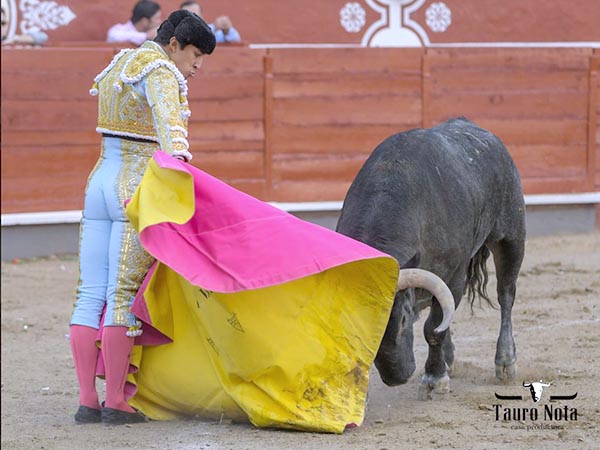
457	157
450	182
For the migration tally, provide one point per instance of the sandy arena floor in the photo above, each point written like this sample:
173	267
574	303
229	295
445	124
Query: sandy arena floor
556	323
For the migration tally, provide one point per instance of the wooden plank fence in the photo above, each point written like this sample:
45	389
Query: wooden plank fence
296	124
536	100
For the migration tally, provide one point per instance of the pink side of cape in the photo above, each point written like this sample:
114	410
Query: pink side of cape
235	242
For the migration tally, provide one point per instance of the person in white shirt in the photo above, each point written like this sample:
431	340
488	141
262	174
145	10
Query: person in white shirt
145	19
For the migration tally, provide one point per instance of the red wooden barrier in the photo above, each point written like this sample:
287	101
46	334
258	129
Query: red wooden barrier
297	124
49	143
331	107
536	100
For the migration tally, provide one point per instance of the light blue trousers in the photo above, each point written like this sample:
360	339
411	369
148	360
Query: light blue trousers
112	262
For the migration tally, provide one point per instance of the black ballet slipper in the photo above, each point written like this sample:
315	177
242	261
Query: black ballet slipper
85	414
111	416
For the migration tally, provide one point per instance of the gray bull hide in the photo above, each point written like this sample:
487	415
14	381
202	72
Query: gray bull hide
440	199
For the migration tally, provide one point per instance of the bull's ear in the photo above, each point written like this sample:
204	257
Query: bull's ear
526	385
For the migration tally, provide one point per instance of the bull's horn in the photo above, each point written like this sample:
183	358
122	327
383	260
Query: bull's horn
419	278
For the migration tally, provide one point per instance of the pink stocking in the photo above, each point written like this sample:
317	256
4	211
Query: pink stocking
116	350
85	356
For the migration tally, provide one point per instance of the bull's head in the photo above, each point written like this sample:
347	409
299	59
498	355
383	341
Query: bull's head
536	389
395	359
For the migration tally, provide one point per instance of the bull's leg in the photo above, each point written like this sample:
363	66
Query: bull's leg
439	362
448	348
508	256
435	379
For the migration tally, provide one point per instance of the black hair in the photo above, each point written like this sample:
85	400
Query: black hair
144	9
188	29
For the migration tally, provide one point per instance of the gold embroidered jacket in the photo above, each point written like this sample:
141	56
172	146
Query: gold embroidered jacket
143	95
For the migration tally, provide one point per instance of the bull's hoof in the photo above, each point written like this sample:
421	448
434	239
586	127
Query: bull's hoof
431	385
505	372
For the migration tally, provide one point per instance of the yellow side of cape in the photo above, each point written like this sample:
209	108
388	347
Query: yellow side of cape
295	355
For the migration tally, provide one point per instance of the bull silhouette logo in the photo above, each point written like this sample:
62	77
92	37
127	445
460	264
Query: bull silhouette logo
536	388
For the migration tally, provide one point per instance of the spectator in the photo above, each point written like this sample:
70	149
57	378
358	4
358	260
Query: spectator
31	38
145	19
221	27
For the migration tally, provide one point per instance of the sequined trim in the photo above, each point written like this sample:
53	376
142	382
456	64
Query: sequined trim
149	68
180	129
112	64
135	156
183	141
134	261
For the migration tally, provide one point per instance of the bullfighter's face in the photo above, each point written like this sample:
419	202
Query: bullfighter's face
187	59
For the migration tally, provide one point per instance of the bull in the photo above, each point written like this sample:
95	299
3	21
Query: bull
440	200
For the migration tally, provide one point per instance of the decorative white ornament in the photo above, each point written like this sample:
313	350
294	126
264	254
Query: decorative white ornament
135	330
183	141
352	17
180	129
438	17
41	15
395	28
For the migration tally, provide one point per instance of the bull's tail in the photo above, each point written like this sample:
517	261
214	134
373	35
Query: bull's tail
477	277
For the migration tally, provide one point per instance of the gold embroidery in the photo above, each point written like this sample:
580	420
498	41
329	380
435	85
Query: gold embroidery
135	158
79	279
166	110
134	261
125	111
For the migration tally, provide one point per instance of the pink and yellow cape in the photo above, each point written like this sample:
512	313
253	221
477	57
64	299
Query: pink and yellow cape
249	312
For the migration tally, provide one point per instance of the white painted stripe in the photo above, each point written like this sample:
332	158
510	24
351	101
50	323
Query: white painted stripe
255	46
41	218
541	199
593	44
562	44
66	217
308	206
563	199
